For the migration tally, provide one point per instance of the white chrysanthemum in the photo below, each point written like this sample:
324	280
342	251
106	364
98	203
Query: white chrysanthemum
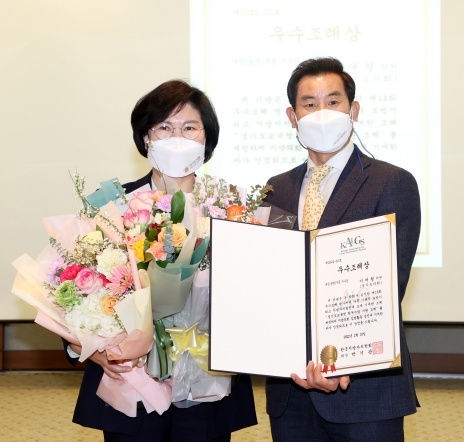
88	317
161	218
108	259
135	231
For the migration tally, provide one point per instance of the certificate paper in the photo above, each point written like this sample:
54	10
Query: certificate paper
280	298
354	297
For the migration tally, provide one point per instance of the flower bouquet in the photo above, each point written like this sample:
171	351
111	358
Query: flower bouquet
86	288
161	230
169	235
189	328
122	246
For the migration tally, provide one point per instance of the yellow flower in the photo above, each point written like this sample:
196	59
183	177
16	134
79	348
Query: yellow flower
93	237
137	247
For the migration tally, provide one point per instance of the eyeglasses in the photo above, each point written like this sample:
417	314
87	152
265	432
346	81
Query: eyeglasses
189	130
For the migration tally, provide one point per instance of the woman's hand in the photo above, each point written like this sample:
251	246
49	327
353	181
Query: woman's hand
111	368
315	379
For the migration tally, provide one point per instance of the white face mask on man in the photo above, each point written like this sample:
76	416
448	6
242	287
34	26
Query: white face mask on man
176	157
324	131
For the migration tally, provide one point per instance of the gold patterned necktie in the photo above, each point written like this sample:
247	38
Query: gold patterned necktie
314	203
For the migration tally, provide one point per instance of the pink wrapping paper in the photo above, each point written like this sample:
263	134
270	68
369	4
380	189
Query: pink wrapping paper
134	311
137	385
43	320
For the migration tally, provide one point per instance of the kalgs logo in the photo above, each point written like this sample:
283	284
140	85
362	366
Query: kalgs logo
352	242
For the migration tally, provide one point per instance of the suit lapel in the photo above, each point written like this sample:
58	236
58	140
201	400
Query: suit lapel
348	185
295	190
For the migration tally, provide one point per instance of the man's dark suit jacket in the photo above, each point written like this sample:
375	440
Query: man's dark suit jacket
366	188
232	413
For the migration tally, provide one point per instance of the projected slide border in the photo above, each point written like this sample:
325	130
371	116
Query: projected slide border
243	53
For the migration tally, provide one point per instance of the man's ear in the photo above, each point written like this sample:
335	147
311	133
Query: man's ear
355	106
291	116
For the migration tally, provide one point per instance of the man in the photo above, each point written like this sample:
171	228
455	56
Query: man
365	407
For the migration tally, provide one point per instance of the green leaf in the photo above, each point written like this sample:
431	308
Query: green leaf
148	257
142	265
177	207
146	245
162	264
151	235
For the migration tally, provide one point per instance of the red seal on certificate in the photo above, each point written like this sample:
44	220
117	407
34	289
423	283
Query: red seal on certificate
329	356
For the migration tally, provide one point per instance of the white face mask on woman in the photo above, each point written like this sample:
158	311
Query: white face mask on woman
324	131
176	157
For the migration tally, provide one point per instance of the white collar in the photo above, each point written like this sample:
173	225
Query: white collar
338	161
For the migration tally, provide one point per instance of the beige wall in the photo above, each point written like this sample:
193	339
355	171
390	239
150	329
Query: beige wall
71	73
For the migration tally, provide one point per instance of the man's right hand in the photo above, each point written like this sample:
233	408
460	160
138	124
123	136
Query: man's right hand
315	379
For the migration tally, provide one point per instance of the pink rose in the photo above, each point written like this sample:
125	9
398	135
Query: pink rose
128	219
143	216
157	251
70	273
142	200
88	281
132	217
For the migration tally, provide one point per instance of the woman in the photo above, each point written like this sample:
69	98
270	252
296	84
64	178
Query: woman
176	128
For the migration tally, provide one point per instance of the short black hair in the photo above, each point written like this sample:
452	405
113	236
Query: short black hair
317	66
156	106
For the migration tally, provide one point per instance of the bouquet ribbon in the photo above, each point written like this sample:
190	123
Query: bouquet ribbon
163	343
191	340
110	190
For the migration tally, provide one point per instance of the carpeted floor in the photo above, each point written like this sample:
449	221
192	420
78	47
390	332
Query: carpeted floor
38	407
